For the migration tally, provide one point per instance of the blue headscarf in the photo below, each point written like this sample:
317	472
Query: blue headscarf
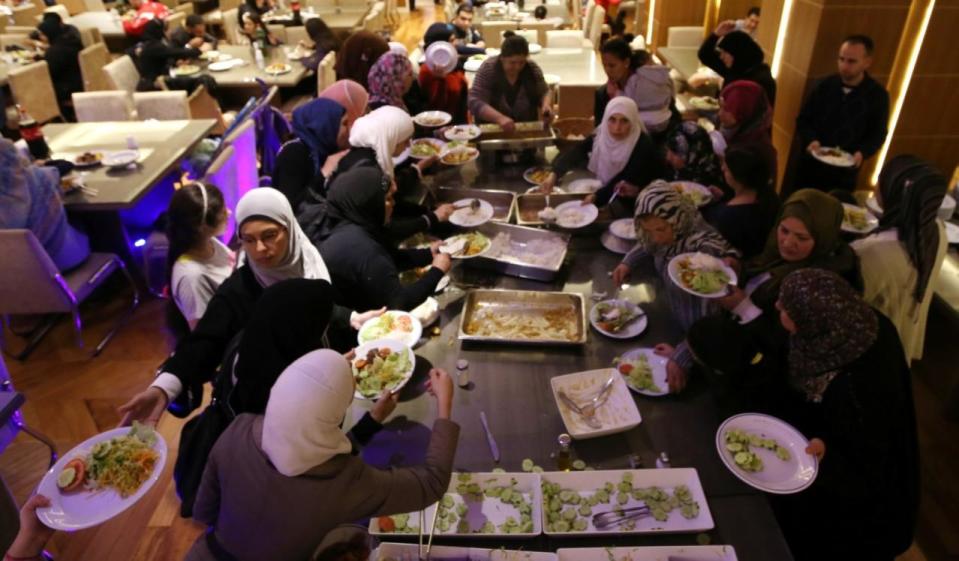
316	124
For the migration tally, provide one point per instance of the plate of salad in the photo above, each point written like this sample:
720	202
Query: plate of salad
766	453
394	324
644	371
101	477
383	364
857	220
619	319
699	195
701	274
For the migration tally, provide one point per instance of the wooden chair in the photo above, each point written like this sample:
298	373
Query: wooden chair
90	36
531	35
492	32
295	34
74	6
278	31
26	14
163	106
122	74
204	106
175	20
684	36
588	17
60	10
94	5
185	8
92	61
325	72
103	106
231	26
33	89
595	31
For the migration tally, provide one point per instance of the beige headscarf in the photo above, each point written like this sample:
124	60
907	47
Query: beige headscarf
610	155
301	426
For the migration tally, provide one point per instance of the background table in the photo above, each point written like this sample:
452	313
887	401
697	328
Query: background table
110	26
684	59
575	67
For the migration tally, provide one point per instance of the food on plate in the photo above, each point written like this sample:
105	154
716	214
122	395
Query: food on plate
430	120
476	243
693	193
397	523
538	252
738	444
537	175
425	148
638	373
278	68
186	69
623	228
398	323
700	274
572	216
856	218
704	103
72	476
122	463
834	152
548	214
835	156
614	316
459	156
553	323
462	132
88	158
380	369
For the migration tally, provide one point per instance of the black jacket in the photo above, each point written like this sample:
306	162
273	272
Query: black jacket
63	61
855	122
157	56
294	175
758	73
645	165
180	37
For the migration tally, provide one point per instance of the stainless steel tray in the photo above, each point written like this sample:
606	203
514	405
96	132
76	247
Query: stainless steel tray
502	201
527	135
528	206
532	304
521	235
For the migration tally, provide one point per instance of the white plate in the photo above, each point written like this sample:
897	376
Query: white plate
486	508
952	232
584	185
442	116
778	476
491	51
617	414
462	132
393	345
551	79
528	174
453	239
472	65
278	68
535	48
536	189
75	511
403	551
704	103
632	328
210	55
843	161
472	152
587	482
649	553
397	160
428	311
624	228
700	195
715	262
409	337
220	65
435	142
871	221
186	70
584	215
656	363
614	244
121	158
872	203
465	218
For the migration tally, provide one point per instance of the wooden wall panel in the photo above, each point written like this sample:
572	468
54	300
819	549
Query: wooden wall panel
791	89
883	24
736	9
941	151
769	26
939	49
802	34
931	107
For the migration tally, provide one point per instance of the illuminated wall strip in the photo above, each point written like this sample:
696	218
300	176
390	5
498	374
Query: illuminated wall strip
649	24
781	37
903	89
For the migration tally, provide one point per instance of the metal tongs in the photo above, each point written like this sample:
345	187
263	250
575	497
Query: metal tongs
613	518
425	556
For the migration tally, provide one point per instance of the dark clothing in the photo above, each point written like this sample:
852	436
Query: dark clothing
746	227
864	502
470	37
180	37
758	72
156	57
294	175
63	61
855	121
645	164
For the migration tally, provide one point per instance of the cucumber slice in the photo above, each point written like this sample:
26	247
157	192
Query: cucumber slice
66	477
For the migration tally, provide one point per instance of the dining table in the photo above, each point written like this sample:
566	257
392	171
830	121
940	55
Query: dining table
245	73
510	386
110	25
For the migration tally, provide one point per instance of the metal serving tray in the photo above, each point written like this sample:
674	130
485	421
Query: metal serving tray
502	201
527	135
528	206
525	302
520	235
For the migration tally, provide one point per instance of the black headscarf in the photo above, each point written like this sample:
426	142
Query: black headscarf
912	192
154	30
746	53
289	320
358	197
51	26
439	31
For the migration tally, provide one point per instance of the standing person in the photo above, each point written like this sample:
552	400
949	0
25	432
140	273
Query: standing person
359	53
735	56
466	34
750	24
848	110
746	120
145	11
510	88
62	56
852	396
193	34
636	76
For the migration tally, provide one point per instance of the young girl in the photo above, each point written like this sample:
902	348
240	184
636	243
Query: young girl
198	261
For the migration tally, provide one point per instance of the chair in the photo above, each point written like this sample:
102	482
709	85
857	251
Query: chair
531	35
163	106
26	14
169	3
100	106
278	31
92	61
73	6
222	173
231	26
122	74
577	9
690	36
588	17
186	8
11	39
175	20
566	39
204	106
53	292
295	34
94	5
60	10
595	32
373	21
325	72
492	32
33	89
90	36
10	403
540	27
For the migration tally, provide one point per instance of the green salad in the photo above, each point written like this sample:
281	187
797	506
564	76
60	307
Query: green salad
381	369
700	274
638	373
738	444
387	324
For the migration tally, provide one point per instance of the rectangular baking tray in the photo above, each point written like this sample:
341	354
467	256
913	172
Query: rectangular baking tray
521	235
527	135
526	302
502	201
528	206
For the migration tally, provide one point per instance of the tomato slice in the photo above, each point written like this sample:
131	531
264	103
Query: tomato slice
625	369
81	474
386	524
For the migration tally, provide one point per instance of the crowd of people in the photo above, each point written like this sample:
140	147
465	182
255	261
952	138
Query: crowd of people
819	331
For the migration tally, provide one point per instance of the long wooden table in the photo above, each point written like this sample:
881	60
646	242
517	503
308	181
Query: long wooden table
246	76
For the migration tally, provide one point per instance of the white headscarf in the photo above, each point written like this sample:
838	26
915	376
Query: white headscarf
382	130
301	426
609	155
302	258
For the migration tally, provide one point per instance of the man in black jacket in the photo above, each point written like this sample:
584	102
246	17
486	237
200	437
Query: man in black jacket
848	110
193	34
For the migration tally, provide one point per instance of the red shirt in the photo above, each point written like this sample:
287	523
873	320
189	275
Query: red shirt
148	10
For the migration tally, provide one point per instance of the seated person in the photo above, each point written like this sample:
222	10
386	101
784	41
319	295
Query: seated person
690	155
322	41
62	56
193	34
144	12
390	79
156	57
466	34
30	199
509	88
254	32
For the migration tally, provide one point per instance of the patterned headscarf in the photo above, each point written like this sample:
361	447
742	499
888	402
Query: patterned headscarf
912	192
692	143
834	327
388	79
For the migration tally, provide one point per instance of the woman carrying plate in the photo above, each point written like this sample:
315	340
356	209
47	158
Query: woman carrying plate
634	74
509	88
851	393
277	483
901	258
620	153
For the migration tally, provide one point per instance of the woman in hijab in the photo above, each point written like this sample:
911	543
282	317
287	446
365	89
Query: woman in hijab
690	155
509	88
352	96
901	258
62	58
851	394
442	79
273	249
735	56
620	153
390	79
635	75
746	119
297	454
359	52
321	128
30	198
322	41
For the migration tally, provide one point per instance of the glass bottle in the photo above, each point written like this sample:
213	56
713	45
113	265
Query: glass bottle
32	134
564	458
462	373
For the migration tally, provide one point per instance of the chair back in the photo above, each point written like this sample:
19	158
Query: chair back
222	173
540	27
168	105
28	264
686	36
577	8
565	39
326	72
492	32
295	34
90	36
204	106
231	25
588	17
596	26
230	4
60	10
26	14
33	89
278	31
175	20
92	61
11	39
94	5
531	35
243	141
185	8
99	106
74	6
122	74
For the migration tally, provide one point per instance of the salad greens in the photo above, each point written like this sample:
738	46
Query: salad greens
701	274
738	442
638	373
389	323
381	369
613	315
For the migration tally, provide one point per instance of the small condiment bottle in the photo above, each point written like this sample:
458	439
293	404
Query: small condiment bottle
564	458
662	462
462	373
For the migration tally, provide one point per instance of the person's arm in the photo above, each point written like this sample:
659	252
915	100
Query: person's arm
575	157
876	123
178	53
481	94
409	258
381	277
365	429
213	41
708	56
206	505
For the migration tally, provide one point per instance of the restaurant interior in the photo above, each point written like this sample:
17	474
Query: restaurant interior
548	280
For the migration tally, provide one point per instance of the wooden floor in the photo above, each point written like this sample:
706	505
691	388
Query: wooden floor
71	397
